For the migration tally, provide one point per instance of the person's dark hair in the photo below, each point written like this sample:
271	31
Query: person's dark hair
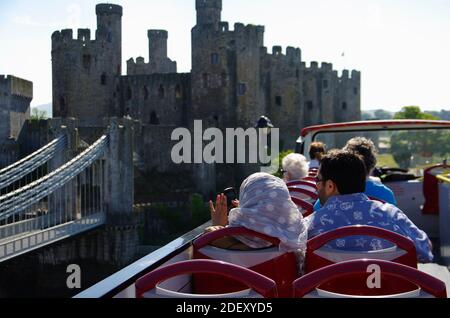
317	150
365	148
346	169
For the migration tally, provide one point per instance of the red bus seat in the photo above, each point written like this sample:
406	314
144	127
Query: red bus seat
270	262
350	279
306	207
153	285
304	194
318	255
307	185
431	189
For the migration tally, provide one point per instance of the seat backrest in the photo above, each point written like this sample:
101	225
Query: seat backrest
304	206
318	255
313	173
369	278
431	188
149	286
304	194
270	262
307	185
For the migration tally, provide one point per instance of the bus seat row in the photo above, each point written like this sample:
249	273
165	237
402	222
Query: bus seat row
281	268
349	279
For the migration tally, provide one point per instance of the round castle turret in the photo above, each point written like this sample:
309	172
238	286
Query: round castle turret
157	44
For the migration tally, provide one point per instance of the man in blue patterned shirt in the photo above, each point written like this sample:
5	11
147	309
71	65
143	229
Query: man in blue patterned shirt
341	183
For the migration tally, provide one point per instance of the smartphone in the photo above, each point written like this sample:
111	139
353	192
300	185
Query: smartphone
231	195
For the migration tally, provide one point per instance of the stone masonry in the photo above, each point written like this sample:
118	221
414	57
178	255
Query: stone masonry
234	80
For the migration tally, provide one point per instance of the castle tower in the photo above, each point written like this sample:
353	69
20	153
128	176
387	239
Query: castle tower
84	70
225	69
348	101
208	11
157	40
158	63
109	29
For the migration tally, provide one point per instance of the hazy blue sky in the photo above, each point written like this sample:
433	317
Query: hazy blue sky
402	47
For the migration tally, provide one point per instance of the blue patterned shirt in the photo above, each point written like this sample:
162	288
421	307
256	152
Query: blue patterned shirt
357	209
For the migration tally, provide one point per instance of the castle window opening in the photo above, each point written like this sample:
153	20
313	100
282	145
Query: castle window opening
205	80
87	61
154	120
297	74
103	79
145	93
355	90
178	93
214	58
242	89
109	37
325	84
344	106
309	105
278	100
129	94
161	92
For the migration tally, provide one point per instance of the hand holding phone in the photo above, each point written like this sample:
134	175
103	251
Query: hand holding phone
231	195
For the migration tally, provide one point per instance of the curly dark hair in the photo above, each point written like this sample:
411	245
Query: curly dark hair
365	148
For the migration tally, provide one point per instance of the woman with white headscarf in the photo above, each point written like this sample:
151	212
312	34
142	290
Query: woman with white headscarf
265	206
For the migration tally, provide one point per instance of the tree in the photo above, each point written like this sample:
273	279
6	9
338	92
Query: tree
407	144
382	114
37	114
413	112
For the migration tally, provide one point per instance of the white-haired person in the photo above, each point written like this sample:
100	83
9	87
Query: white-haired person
264	206
295	167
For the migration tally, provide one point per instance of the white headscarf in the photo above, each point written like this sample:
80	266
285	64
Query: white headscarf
266	207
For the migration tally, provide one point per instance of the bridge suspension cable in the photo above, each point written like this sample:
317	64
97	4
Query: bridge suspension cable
20	169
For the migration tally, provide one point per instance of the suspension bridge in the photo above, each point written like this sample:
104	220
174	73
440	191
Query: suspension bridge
61	191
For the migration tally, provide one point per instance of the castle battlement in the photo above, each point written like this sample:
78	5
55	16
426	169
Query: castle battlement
314	66
292	54
250	28
326	66
161	34
16	86
208	4
108	9
353	76
65	37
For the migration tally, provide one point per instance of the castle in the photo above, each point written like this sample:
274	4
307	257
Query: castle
234	79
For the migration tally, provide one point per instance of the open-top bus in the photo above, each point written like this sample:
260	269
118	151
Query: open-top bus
411	162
